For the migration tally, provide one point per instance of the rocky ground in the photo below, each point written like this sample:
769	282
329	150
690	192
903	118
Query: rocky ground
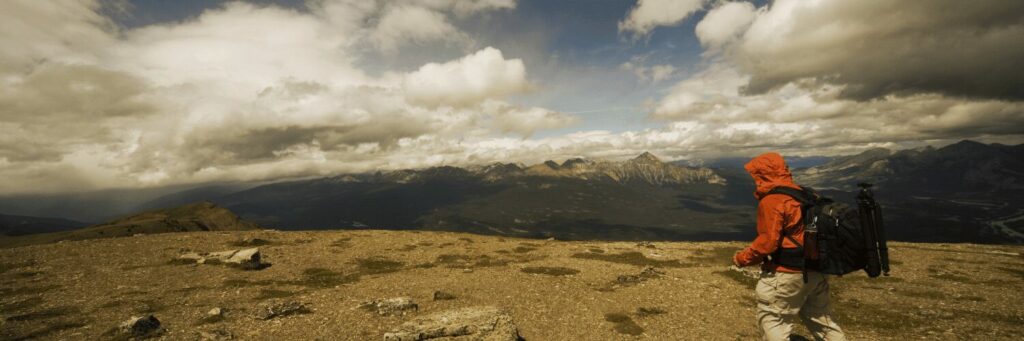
372	285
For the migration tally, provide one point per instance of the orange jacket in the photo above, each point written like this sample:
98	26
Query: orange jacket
775	213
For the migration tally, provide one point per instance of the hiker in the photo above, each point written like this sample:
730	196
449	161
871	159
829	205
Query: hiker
784	291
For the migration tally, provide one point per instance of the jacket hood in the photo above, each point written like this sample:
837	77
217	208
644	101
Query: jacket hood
769	170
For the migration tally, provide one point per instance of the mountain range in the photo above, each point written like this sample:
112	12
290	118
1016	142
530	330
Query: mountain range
967	192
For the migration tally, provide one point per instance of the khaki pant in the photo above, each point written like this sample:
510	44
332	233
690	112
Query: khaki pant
781	297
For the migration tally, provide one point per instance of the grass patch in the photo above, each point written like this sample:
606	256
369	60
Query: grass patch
341	242
925	294
523	249
27	303
950	275
649	311
714	255
595	250
467	261
266	294
26	274
550	270
624	324
631	258
251	242
407	247
243	283
47	330
5	267
44	314
27	290
378	265
1019	273
183	261
324	278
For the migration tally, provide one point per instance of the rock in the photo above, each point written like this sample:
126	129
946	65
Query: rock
647	273
280	309
140	327
472	323
391	306
443	296
246	258
215	312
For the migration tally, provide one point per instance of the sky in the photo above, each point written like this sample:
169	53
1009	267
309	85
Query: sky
130	94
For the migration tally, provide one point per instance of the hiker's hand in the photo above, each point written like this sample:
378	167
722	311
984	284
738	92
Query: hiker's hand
735	259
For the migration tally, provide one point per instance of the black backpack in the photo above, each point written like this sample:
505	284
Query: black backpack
837	239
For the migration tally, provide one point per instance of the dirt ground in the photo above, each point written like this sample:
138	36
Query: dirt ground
553	290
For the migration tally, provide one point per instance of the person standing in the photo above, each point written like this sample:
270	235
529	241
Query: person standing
785	290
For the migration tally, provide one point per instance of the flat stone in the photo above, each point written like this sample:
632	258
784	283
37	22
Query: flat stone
473	323
391	306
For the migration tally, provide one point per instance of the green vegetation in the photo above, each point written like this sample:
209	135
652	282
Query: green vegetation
251	242
378	265
550	270
624	324
266	294
649	311
20	305
324	278
44	314
632	258
716	255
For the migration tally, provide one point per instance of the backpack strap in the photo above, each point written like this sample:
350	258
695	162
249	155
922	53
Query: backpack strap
806	198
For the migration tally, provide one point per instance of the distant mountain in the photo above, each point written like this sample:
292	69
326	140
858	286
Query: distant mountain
640	198
967	191
737	162
201	216
957	169
15	225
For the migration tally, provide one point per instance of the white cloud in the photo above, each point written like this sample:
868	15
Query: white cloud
241	92
724	23
467	81
526	121
649	14
404	24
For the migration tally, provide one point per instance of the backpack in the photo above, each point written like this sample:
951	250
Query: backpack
837	238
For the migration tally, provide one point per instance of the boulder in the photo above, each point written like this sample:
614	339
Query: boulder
472	323
140	327
245	258
391	306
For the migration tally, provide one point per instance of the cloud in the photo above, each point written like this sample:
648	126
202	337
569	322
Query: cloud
876	48
653	73
724	23
714	96
404	24
649	14
59	30
467	81
526	121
